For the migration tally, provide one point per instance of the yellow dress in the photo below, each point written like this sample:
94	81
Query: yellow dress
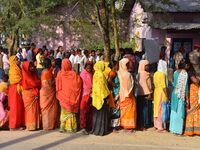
67	121
159	80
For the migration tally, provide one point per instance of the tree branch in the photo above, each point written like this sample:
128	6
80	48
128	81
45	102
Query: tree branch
99	19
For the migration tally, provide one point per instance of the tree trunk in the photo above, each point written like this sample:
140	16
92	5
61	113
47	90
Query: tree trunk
115	30
103	22
11	44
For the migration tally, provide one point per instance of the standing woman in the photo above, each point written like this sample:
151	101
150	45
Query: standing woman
127	99
15	102
192	126
100	94
86	101
144	103
68	92
48	101
114	87
160	97
31	85
179	99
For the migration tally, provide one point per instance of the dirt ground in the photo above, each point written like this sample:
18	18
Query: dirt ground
140	140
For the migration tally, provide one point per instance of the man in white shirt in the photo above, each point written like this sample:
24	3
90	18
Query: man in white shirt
24	53
92	57
72	57
6	64
83	60
77	61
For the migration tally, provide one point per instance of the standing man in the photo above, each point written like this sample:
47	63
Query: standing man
77	61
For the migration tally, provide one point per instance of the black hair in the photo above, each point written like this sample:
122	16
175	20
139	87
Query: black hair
5	50
88	64
5	78
47	63
67	54
113	63
58	48
86	52
182	64
92	51
44	47
33	44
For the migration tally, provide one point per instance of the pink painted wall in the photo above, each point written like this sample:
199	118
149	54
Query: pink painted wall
164	36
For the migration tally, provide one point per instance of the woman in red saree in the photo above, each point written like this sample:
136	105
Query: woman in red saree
48	101
15	102
86	101
68	92
127	100
31	85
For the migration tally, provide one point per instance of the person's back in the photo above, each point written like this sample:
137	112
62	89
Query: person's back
30	55
6	64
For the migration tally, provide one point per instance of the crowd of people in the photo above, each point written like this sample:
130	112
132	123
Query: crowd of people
78	90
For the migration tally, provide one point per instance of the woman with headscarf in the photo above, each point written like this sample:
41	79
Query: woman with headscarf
31	84
144	103
15	102
127	99
48	101
179	99
161	111
68	92
100	94
86	101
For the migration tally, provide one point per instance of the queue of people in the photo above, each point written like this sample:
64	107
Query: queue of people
78	90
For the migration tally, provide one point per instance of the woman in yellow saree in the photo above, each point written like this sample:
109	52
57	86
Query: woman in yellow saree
100	94
48	101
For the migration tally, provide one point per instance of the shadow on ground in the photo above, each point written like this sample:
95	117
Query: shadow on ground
25	138
53	144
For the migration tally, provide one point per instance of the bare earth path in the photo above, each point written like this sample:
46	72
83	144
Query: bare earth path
146	140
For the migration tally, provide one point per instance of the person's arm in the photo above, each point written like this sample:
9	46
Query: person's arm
110	80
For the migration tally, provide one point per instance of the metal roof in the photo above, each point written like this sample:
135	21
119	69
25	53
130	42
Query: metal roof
177	26
171	5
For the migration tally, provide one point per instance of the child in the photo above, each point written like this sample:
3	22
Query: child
4	102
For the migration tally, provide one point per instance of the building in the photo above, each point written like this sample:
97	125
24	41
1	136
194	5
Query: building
175	25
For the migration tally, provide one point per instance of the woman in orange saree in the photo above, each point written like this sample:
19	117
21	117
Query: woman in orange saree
48	101
192	123
15	102
68	92
31	85
127	100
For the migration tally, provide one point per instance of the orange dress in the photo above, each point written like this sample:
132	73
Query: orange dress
128	114
30	94
193	114
48	101
15	102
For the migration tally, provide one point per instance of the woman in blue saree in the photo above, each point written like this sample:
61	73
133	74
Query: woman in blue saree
179	99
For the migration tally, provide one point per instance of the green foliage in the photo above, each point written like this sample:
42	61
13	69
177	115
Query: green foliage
23	15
